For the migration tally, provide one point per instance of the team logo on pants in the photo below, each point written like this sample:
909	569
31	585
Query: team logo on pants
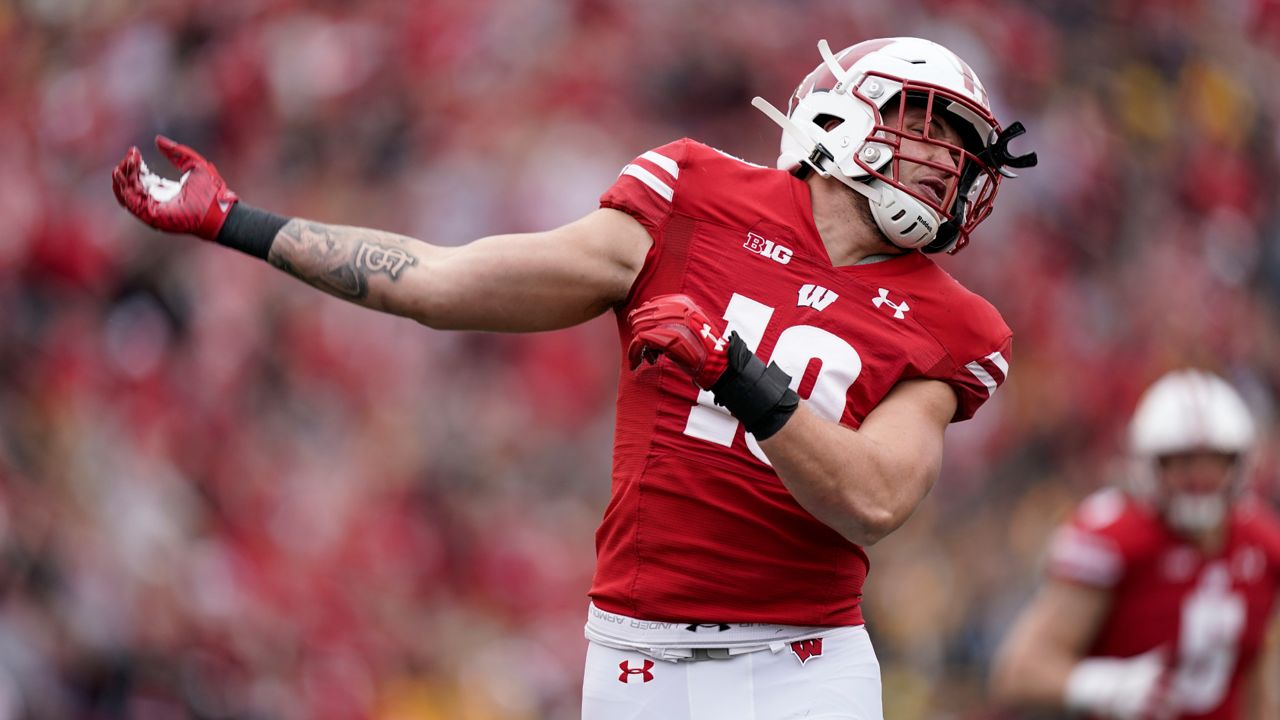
642	671
805	649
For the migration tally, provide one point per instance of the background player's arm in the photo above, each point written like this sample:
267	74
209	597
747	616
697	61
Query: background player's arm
1262	698
866	483
1047	641
522	282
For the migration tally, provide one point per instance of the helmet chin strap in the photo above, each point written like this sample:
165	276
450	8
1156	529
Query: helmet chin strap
1196	513
841	75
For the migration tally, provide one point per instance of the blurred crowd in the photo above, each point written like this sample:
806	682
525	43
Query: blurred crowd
225	495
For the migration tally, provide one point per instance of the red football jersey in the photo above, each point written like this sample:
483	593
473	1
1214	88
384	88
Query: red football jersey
699	527
1210	612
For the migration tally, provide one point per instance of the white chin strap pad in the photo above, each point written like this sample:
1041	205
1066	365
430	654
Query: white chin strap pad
1196	513
904	220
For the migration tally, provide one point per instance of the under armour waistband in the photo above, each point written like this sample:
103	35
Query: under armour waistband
617	630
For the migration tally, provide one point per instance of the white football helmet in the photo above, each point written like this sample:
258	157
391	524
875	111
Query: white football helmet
834	126
1185	411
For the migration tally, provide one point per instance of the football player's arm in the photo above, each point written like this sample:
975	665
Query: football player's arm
866	483
862	483
1048	640
1262	701
533	281
523	282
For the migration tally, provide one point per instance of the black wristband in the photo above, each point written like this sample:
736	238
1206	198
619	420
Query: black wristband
761	397
250	230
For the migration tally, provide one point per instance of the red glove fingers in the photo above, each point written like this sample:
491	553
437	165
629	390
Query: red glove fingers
673	325
182	157
196	203
759	396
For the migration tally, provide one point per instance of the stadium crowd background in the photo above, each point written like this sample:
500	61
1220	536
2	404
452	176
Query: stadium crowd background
224	495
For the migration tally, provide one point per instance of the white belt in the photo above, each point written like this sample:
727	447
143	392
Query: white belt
691	641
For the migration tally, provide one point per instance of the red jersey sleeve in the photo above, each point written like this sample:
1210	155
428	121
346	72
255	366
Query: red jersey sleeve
1263	527
978	343
646	188
976	377
1093	547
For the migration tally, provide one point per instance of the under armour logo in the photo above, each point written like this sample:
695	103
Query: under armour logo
805	649
628	671
899	309
720	627
815	296
709	334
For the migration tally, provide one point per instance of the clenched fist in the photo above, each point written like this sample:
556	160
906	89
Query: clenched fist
196	203
674	325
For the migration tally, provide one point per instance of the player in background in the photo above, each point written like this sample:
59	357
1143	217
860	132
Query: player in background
792	357
1160	596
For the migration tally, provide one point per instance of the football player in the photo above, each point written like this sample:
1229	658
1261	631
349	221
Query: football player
792	357
1160	595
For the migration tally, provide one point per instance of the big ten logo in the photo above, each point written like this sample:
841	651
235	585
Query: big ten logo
768	248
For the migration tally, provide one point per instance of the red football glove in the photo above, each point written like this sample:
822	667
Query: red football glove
196	203
673	325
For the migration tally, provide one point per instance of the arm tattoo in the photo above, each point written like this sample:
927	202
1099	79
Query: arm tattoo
337	259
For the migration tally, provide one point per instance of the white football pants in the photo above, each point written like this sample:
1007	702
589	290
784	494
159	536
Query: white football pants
839	677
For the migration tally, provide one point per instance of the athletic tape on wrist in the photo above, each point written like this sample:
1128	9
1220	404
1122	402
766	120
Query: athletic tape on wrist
760	397
250	230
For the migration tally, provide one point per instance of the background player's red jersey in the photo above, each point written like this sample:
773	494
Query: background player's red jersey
699	527
1209	611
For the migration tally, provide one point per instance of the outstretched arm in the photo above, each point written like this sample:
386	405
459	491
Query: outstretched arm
521	282
524	282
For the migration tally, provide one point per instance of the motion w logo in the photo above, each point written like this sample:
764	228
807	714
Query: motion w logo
815	296
643	671
805	649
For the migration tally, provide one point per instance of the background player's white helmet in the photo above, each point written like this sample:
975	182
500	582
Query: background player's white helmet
1186	411
834	126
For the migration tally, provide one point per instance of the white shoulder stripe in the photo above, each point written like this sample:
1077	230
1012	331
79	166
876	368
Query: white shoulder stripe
985	377
663	162
649	179
998	360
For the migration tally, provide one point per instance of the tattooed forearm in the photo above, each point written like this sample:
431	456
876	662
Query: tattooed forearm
381	258
337	259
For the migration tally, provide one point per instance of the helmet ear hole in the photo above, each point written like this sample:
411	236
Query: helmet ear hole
827	122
